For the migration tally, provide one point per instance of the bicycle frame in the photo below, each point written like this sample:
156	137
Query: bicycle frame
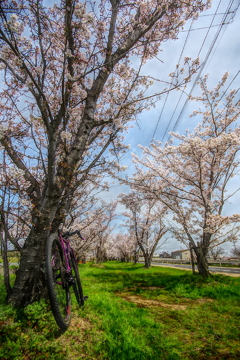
65	244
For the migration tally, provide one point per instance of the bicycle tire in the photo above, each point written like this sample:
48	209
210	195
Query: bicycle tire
57	285
77	286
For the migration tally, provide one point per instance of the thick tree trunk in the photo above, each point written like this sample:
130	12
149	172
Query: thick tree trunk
202	262
29	285
147	261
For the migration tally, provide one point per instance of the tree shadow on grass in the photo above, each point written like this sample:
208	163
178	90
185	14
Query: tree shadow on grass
180	284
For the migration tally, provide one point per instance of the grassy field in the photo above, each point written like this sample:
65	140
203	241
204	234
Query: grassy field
132	314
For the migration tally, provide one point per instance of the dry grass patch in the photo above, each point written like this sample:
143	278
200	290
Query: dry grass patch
98	266
152	287
142	302
76	330
74	338
153	303
203	301
79	323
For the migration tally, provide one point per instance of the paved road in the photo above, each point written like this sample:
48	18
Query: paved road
217	269
11	264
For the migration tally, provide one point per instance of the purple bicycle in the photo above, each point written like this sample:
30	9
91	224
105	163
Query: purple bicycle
62	275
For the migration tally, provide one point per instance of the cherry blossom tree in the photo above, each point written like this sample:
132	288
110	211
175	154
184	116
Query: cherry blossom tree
235	251
192	177
11	231
14	220
216	252
69	90
146	220
95	225
14	214
122	247
87	211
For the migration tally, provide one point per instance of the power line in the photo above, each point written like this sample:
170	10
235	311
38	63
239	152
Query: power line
217	43
205	38
198	56
223	22
205	15
172	116
223	32
182	92
206	27
207	56
166	98
230	85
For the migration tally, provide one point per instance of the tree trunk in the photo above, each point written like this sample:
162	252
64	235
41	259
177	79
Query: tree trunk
100	255
3	241
135	258
202	262
29	285
147	261
192	258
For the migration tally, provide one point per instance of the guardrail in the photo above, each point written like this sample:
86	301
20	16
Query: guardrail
187	262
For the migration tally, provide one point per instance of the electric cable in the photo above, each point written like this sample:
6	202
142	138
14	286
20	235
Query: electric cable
230	85
206	58
169	123
166	98
209	27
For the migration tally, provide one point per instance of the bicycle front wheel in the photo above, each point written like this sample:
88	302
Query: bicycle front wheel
77	286
57	284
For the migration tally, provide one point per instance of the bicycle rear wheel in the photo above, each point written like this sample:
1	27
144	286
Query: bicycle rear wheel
77	286
57	284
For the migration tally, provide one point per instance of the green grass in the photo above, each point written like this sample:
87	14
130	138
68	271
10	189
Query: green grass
11	258
132	314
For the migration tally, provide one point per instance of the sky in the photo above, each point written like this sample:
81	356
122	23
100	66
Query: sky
219	50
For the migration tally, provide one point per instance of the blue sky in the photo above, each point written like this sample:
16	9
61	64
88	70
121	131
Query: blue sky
224	57
220	47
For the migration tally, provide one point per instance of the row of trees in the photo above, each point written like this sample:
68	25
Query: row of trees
181	189
146	223
71	87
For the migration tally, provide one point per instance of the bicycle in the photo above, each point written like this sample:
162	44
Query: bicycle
61	275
